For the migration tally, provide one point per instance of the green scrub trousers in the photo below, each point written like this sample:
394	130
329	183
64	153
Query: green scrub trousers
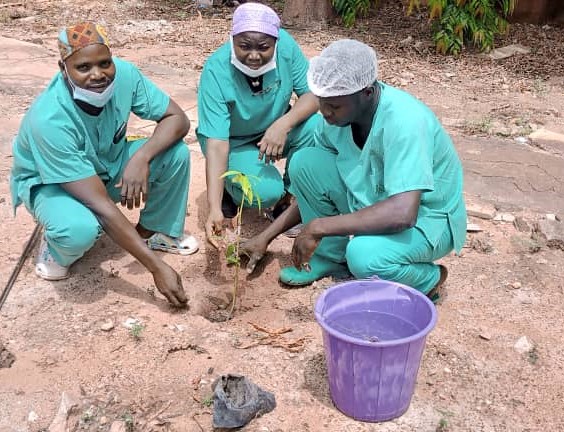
406	257
71	228
269	185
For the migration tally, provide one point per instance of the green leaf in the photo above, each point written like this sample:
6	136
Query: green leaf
231	254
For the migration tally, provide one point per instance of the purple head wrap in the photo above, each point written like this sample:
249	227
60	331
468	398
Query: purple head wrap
255	17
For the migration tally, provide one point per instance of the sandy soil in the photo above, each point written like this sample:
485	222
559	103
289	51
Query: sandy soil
69	337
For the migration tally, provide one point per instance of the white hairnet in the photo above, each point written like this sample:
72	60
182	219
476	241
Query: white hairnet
343	68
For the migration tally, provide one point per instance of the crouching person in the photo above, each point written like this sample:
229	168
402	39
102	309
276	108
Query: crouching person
380	193
73	162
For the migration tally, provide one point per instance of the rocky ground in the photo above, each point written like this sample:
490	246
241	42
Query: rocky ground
104	343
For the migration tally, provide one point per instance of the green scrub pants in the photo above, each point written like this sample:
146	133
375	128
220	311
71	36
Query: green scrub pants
406	257
270	185
71	228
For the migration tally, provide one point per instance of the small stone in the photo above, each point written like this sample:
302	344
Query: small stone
480	209
471	227
516	285
6	357
521	225
508	51
485	336
107	326
407	41
447	370
118	426
526	300
551	217
507	217
103	420
523	345
32	417
542	261
130	322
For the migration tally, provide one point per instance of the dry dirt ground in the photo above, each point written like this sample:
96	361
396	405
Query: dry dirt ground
69	336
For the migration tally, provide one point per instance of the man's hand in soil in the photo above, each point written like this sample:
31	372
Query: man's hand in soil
255	249
169	283
304	246
215	228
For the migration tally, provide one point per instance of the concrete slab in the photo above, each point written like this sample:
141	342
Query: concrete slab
511	175
24	65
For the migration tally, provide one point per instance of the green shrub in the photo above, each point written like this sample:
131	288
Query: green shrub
461	22
349	10
456	23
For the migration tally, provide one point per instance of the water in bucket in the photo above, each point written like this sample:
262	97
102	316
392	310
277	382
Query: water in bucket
374	333
372	326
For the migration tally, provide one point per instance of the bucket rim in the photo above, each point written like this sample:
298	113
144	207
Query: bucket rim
379	344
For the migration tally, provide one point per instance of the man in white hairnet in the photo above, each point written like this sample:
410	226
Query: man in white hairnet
380	194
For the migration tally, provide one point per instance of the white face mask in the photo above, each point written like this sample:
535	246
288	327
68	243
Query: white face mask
91	97
253	73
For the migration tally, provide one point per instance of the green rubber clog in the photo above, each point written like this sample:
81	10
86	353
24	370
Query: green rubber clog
320	268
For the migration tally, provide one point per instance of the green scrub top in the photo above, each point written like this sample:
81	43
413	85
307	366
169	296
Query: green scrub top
58	142
407	149
228	110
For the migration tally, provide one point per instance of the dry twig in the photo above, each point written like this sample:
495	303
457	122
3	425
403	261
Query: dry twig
274	339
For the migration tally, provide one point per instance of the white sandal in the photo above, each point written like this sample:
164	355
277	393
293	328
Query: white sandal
185	245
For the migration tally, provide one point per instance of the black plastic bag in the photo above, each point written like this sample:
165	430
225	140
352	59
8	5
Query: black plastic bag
237	400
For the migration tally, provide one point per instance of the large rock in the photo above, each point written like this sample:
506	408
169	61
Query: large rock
547	140
511	176
551	231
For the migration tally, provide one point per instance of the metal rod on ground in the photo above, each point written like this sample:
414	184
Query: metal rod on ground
27	250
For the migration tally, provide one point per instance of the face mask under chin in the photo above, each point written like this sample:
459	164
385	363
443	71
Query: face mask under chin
253	73
98	100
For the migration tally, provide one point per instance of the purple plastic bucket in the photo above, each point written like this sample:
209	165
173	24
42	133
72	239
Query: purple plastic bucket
374	333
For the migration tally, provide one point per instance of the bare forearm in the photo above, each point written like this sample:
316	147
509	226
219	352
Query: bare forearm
392	215
289	218
217	152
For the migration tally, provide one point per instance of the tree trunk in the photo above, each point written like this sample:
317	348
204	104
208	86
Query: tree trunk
303	13
538	11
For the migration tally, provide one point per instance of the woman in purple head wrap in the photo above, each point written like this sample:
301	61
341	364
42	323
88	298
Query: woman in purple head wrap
245	120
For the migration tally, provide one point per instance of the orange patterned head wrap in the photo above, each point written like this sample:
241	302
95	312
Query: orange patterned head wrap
73	38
